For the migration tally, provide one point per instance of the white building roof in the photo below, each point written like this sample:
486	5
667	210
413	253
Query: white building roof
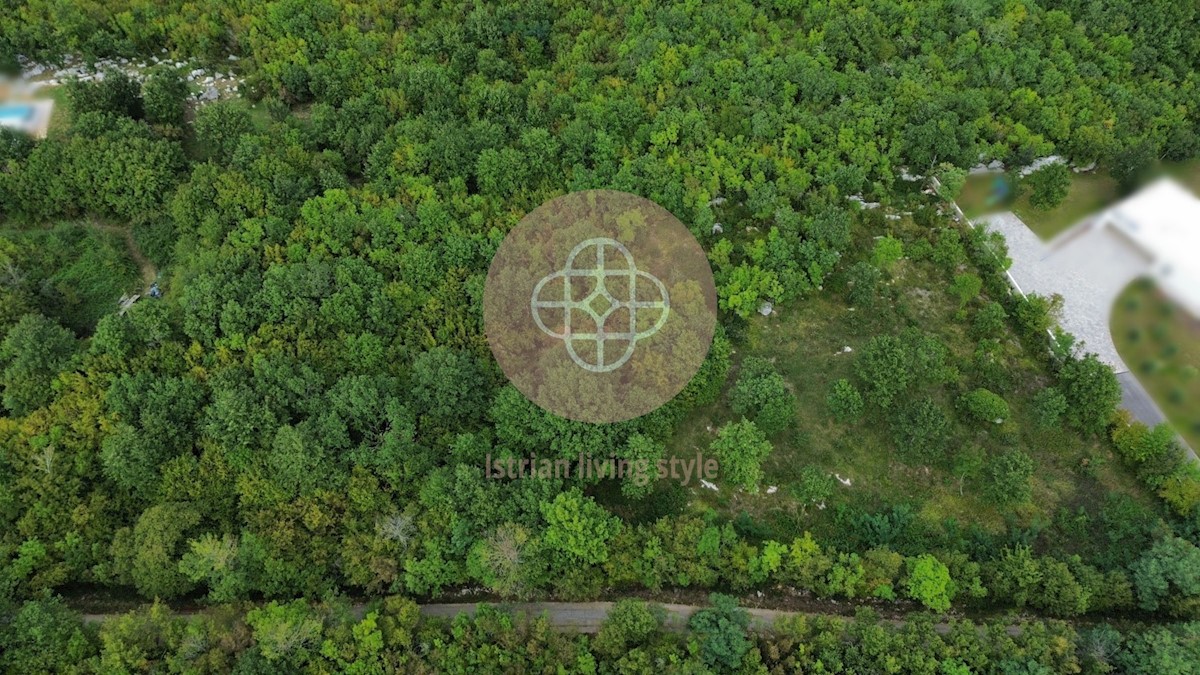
1164	220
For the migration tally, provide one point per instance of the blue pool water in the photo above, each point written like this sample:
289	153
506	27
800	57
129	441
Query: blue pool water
15	113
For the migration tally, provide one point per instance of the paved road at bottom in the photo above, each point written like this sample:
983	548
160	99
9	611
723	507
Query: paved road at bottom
1137	401
586	617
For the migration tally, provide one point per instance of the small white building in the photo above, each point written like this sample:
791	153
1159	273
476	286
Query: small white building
1163	222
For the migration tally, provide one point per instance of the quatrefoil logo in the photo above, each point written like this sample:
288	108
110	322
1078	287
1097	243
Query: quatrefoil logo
599	306
591	320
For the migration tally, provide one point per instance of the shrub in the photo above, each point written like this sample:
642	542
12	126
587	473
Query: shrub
1049	405
844	401
983	406
761	395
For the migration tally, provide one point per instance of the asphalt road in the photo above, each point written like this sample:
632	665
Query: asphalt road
1137	401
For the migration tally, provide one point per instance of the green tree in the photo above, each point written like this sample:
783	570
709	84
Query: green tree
921	431
762	396
44	636
164	93
1049	185
1168	575
629	624
1008	477
32	353
863	284
989	321
578	528
887	252
152	553
741	448
928	581
883	366
982	405
844	401
219	129
722	632
1049	405
1092	393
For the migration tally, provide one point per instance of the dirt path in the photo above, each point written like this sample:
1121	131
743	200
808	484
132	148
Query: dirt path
146	268
587	617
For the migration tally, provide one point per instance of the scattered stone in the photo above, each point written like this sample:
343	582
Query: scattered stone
772	489
767	308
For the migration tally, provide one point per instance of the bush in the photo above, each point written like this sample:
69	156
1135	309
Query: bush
1049	405
929	583
844	401
116	93
1008	477
888	250
989	321
863	281
741	447
983	406
761	395
921	431
721	631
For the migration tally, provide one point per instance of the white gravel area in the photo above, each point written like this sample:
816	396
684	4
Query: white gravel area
1088	266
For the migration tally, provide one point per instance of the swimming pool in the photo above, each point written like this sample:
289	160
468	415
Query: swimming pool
15	113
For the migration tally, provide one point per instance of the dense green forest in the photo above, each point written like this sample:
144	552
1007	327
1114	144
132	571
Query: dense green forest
307	408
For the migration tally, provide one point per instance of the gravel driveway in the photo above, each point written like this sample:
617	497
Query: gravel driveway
1088	267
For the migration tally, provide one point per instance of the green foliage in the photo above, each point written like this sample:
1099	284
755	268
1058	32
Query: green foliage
44	636
844	401
982	405
1169	574
951	179
219	128
114	93
164	94
928	582
966	287
1007	478
721	631
578	529
762	396
1049	406
863	280
1049	185
743	290
741	448
989	321
887	252
32	353
1092	393
921	430
629	624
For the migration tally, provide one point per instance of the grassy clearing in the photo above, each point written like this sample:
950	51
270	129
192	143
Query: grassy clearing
1161	343
807	342
76	273
1089	193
